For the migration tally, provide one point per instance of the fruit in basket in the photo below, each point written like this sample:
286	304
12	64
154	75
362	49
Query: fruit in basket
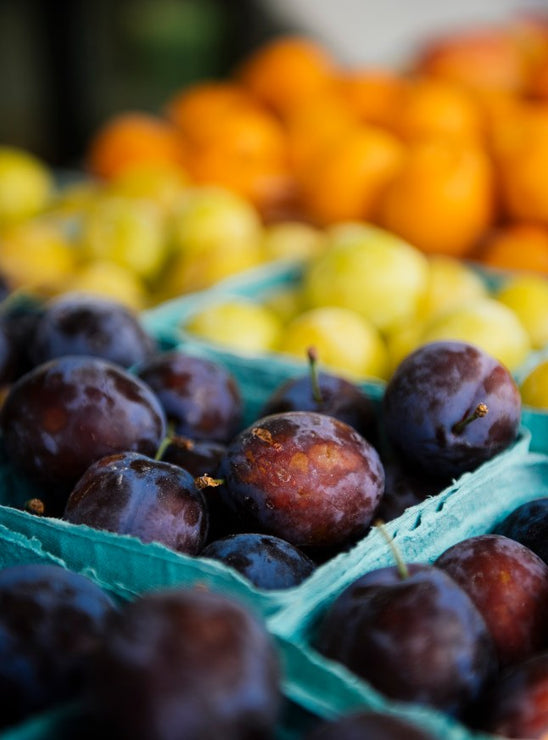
80	324
373	725
239	324
108	279
303	476
534	387
325	393
292	240
200	398
516	246
508	583
442	199
404	486
37	256
527	296
198	456
487	323
51	621
369	271
451	282
65	414
268	562
133	494
414	634
346	342
26	185
515	706
200	663
449	407
127	231
129	139
528	524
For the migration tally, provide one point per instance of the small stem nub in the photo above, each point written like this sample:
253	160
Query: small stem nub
35	506
313	365
403	570
478	413
206	481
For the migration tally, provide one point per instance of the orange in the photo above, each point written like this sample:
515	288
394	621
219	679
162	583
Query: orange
477	58
201	106
285	70
520	151
129	139
372	94
518	246
245	151
429	107
314	124
442	198
346	178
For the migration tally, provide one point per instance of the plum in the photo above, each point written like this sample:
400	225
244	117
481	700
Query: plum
65	414
51	621
305	477
130	493
81	324
415	636
187	665
508	583
200	397
450	406
516	706
528	524
267	561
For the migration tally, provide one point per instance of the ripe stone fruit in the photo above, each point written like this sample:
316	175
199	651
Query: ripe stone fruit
325	393
414	634
80	324
528	524
508	583
368	725
200	397
51	621
449	407
305	477
67	413
187	665
130	493
516	705
268	562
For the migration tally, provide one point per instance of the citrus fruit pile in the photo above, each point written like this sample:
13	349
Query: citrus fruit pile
449	154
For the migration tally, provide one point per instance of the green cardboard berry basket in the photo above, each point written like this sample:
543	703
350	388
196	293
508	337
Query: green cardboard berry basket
264	372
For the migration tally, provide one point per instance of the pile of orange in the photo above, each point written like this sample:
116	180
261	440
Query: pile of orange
451	153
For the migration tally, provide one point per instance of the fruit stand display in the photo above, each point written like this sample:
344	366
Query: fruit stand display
274	377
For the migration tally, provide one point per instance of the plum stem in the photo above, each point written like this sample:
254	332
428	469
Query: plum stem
206	481
313	365
166	441
403	570
478	413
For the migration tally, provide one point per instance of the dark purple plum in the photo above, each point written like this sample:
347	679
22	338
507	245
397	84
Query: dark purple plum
528	524
327	394
305	477
187	665
200	397
449	407
415	638
130	493
267	561
199	457
51	621
65	414
8	356
368	726
83	324
508	583
516	706
404	486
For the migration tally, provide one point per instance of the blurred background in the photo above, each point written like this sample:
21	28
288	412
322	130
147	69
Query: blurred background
67	65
